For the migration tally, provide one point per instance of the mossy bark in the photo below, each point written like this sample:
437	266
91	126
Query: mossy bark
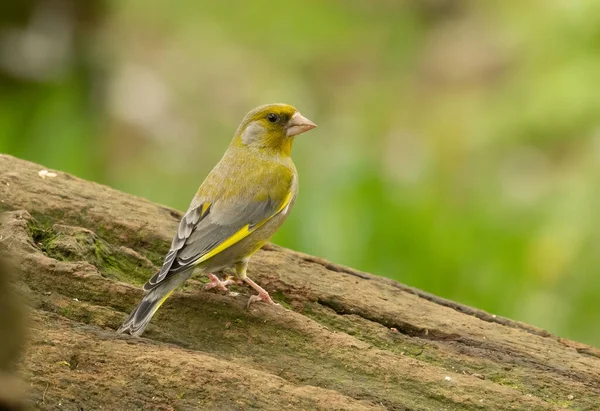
342	339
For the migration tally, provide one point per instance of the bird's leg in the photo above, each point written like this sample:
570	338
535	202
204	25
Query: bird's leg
263	295
215	282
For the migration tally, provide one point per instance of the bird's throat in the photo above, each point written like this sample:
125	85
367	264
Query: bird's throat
286	147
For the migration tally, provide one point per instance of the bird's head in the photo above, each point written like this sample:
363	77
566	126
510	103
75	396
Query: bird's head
272	127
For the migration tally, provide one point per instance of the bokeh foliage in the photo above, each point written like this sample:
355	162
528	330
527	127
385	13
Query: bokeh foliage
458	146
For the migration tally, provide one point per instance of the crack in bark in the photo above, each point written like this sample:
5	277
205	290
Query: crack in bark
513	357
477	313
402	327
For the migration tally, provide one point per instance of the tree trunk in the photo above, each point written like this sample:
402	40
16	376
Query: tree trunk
342	339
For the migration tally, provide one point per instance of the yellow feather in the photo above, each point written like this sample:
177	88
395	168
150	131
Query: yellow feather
286	147
162	301
204	208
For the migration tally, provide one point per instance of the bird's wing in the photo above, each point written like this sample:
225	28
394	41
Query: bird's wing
209	228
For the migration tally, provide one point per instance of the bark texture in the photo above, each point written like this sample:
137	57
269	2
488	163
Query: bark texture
343	339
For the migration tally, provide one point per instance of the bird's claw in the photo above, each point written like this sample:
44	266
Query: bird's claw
265	297
216	283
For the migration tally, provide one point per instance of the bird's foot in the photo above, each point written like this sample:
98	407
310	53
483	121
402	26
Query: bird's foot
216	283
260	297
263	295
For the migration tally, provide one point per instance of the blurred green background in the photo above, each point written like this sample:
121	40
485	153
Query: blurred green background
458	147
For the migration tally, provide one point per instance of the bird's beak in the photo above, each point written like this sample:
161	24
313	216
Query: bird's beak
298	124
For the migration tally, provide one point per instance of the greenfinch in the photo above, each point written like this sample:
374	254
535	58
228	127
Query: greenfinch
239	206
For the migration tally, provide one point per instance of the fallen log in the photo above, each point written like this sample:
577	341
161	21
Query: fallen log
343	339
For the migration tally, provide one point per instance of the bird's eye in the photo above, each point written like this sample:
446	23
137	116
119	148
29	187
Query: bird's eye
272	117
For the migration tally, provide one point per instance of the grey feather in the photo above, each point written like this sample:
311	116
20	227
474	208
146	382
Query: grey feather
186	227
140	317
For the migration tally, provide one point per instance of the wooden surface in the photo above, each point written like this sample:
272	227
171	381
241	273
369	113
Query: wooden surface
342	339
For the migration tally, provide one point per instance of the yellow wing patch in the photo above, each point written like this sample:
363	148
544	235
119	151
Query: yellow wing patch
241	234
205	206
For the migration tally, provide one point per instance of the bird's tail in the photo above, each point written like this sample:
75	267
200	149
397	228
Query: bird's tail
139	318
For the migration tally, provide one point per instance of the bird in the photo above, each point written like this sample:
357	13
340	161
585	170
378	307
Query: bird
239	206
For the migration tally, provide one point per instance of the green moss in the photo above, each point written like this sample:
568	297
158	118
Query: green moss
560	403
65	243
147	244
77	313
41	234
49	218
502	379
282	299
120	266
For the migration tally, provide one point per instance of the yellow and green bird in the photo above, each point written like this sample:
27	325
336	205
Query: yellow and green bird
238	207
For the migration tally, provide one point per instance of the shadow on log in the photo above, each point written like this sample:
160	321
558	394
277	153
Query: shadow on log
11	341
342	339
